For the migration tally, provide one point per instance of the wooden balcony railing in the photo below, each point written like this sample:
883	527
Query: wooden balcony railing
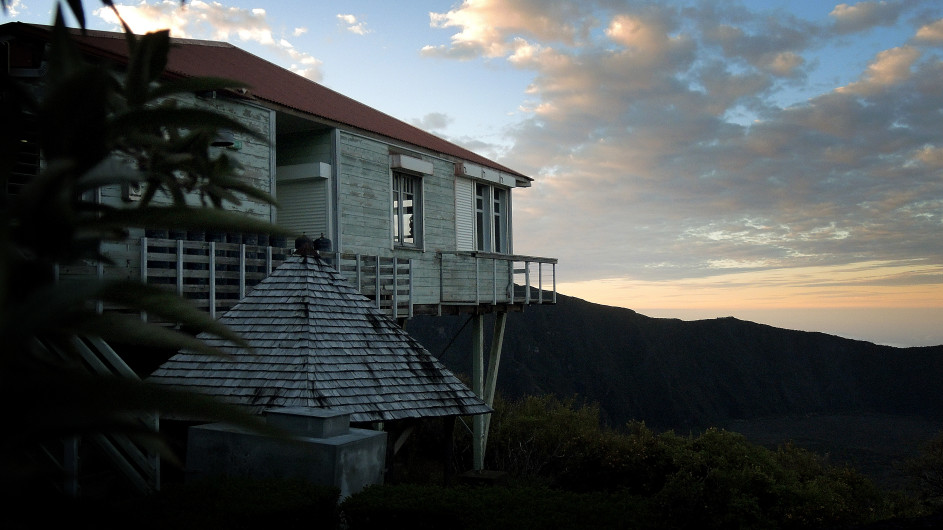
215	275
488	278
212	275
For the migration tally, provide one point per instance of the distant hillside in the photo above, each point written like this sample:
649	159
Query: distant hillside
682	375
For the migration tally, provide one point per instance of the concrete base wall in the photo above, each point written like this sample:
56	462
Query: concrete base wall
325	451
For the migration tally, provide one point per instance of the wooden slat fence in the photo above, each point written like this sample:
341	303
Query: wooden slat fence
216	275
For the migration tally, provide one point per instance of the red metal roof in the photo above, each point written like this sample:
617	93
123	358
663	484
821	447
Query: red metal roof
272	83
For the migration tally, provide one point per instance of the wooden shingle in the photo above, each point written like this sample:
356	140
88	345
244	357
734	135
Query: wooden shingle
317	342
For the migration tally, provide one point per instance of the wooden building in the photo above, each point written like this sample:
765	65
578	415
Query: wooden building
417	224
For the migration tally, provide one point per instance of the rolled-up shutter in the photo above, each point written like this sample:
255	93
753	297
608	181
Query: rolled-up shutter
303	206
464	214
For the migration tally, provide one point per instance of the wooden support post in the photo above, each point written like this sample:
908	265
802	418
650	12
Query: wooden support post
494	281
494	361
484	385
526	283
153	423
179	267
478	386
395	301
359	272
100	272
144	270
477	281
411	283
242	271
510	292
448	431
376	282
554	272
70	466
212	280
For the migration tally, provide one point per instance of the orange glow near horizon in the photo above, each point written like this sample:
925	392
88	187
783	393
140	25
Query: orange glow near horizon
884	303
861	285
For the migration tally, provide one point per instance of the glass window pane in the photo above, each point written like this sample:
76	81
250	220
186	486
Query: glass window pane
407	217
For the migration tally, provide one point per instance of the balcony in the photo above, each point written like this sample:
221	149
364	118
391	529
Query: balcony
487	279
215	275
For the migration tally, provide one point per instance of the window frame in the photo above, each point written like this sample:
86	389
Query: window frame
492	222
398	207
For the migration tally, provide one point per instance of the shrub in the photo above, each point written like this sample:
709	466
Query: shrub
540	435
926	471
716	479
638	461
231	503
474	508
723	481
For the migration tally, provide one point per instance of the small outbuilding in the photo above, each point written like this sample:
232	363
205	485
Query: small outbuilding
317	343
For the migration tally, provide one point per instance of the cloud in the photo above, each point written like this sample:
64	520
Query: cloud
433	121
14	7
772	45
889	68
493	28
931	33
865	15
214	21
627	128
931	155
352	25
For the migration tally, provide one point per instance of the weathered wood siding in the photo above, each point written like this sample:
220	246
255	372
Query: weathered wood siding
365	187
365	210
256	159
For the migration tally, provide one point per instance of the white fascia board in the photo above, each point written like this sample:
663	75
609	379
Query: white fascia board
411	164
466	169
314	170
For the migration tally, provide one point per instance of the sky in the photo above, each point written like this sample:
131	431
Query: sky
776	161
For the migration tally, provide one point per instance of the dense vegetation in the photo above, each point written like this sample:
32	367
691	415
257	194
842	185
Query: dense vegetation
565	471
558	469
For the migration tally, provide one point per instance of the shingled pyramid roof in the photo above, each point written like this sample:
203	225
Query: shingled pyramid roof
317	342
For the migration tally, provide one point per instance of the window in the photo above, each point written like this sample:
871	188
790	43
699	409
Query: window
407	210
491	218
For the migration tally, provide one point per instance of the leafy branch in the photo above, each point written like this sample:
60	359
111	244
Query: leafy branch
98	130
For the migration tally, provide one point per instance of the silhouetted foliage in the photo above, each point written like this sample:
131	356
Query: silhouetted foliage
220	502
100	128
927	472
714	479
